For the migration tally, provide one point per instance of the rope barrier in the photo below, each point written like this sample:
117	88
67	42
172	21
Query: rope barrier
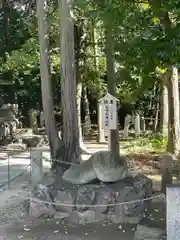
74	205
16	177
89	205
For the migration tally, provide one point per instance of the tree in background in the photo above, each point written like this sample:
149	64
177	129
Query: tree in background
46	89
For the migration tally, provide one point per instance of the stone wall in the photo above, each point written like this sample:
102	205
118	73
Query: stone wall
93	202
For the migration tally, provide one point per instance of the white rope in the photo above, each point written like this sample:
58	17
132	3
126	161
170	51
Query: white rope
89	205
81	205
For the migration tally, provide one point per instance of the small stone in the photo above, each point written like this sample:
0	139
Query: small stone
86	196
147	233
85	217
27	229
61	215
104	196
20	237
120	227
64	197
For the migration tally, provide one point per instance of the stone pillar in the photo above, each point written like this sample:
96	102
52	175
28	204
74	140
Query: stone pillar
143	125
166	171
33	120
172	212
42	120
126	126
137	125
36	166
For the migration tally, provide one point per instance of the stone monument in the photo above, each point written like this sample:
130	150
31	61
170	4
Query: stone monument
98	189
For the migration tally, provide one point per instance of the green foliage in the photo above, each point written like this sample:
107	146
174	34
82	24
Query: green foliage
158	141
141	46
13	29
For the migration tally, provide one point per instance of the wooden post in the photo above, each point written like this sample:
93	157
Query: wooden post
36	166
110	121
166	171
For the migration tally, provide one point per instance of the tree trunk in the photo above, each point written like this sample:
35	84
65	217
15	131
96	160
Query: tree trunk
173	90
77	41
156	118
114	134
46	88
87	120
173	104
71	149
164	110
101	135
79	97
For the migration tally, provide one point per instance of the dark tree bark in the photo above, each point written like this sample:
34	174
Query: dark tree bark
46	89
70	139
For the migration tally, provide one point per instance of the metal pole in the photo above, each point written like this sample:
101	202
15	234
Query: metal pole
9	176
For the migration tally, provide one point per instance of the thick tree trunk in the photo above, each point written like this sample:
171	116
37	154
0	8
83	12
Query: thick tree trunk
46	89
164	110
114	134
77	41
71	149
173	107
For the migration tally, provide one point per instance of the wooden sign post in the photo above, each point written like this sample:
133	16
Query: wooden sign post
109	115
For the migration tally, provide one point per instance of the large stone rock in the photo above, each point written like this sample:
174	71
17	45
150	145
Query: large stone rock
147	233
108	166
103	165
81	173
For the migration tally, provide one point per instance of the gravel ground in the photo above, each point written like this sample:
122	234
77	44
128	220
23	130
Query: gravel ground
15	225
53	230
